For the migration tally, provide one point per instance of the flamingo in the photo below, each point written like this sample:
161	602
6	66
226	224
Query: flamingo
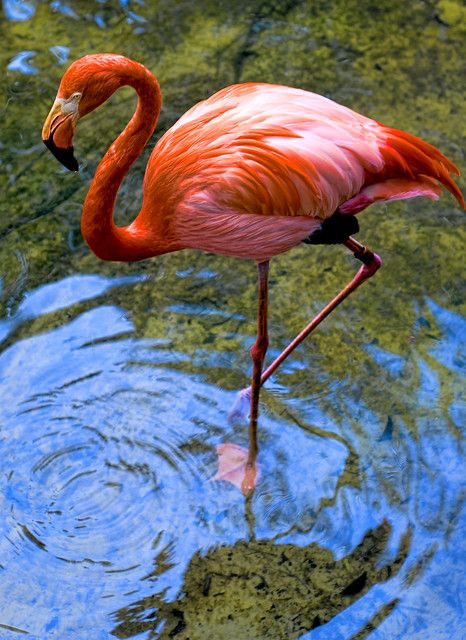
250	172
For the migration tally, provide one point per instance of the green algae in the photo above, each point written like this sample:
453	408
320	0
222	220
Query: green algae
263	590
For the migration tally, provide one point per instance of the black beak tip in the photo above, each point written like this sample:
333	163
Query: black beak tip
65	156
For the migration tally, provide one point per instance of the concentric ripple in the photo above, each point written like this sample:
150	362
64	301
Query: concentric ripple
108	454
108	458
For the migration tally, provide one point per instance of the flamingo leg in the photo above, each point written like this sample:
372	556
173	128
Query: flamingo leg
371	262
258	351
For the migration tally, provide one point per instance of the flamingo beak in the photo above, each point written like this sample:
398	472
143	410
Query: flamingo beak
58	132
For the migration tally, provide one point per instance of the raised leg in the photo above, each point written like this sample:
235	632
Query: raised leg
258	351
371	262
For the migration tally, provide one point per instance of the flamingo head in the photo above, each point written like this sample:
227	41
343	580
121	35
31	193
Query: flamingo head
86	84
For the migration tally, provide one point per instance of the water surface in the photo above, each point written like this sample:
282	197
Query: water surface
116	380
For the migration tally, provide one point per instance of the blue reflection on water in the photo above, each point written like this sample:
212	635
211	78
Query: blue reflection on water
61	53
100	476
107	458
20	62
430	485
64	9
19	9
451	351
392	362
59	295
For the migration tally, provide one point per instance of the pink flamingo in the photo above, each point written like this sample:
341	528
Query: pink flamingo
250	172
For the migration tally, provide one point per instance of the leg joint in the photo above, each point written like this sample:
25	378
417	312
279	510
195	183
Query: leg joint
368	257
259	348
371	262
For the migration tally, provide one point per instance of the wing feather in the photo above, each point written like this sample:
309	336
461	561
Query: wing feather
272	150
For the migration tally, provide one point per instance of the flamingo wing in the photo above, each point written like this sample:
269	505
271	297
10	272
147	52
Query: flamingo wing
277	151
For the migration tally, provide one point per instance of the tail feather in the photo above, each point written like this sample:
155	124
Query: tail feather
405	153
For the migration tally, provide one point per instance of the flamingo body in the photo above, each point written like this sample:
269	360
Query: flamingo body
249	172
254	169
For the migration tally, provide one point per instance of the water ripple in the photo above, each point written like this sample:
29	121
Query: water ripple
108	452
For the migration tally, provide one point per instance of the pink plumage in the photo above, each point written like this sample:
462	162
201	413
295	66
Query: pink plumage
262	150
249	172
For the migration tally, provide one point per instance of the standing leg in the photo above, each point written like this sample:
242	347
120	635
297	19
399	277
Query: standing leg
235	464
370	264
258	351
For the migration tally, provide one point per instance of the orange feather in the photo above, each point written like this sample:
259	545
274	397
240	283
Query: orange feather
235	164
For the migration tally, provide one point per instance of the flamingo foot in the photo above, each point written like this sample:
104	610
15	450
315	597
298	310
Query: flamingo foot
235	467
241	406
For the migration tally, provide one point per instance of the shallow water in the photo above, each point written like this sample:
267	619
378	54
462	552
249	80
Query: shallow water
116	380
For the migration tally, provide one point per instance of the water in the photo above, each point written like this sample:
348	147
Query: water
116	380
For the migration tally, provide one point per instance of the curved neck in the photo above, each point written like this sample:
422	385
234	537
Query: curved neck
105	239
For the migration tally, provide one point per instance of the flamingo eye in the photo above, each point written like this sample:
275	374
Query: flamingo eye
75	96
